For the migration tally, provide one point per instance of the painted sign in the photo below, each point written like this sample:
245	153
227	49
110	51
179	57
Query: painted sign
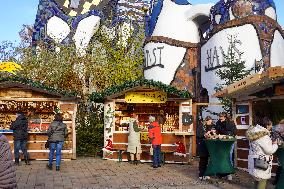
146	97
156	60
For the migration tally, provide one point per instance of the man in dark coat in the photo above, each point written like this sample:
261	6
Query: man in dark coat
226	126
20	134
7	169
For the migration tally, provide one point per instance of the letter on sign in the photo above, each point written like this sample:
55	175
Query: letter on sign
146	97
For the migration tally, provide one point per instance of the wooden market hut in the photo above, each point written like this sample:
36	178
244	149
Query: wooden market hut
258	95
18	94
144	98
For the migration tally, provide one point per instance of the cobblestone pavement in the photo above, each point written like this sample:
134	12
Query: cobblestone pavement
98	173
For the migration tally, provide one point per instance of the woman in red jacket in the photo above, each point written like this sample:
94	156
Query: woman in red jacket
156	140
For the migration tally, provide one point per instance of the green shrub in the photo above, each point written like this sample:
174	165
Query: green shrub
89	130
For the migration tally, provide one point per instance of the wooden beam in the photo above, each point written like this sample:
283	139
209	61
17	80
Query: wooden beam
194	114
29	99
209	104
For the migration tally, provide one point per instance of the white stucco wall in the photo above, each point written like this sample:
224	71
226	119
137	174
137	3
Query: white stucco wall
277	50
173	23
160	53
249	46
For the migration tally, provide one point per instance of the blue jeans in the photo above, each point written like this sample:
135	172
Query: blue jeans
58	147
20	145
156	155
232	155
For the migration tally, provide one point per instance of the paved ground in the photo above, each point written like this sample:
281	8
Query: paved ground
98	173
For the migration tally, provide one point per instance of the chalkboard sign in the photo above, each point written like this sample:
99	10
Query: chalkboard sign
187	119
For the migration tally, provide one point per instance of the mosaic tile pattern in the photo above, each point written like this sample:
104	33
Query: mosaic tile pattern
185	76
74	11
225	11
48	9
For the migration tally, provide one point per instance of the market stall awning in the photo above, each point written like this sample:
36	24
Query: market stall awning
139	85
254	84
24	83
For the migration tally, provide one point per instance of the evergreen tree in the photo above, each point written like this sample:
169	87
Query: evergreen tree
233	69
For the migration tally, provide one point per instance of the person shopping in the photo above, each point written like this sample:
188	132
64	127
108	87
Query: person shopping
278	130
57	132
7	168
20	135
226	126
203	131
134	144
156	141
261	152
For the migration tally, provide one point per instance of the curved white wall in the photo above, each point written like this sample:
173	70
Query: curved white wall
162	54
249	46
277	50
173	23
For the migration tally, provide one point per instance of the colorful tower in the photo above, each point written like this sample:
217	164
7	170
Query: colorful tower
259	38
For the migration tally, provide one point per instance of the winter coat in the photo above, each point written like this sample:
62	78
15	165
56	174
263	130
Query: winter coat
57	131
202	150
155	133
134	145
7	169
260	146
20	128
226	127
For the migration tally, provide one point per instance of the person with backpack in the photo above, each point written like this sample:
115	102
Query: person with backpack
57	133
20	135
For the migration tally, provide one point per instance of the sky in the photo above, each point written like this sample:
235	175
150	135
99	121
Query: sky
15	13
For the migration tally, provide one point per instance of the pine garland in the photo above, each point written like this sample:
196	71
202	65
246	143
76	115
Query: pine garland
25	81
99	97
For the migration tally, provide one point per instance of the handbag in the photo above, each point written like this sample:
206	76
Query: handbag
261	164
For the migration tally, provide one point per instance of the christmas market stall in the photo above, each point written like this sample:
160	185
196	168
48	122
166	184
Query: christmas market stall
145	98
256	96
39	103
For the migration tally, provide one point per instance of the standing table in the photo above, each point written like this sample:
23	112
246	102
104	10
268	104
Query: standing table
280	155
219	160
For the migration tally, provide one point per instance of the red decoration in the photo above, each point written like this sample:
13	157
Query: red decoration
180	147
109	145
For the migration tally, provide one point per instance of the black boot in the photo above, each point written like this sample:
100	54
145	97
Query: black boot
57	168
27	161
17	161
49	167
